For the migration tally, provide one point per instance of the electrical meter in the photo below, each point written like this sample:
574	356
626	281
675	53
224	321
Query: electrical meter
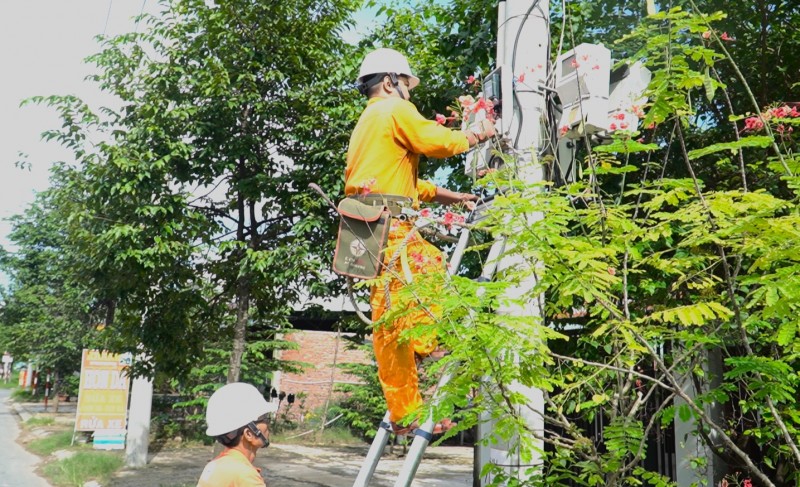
495	85
626	97
582	83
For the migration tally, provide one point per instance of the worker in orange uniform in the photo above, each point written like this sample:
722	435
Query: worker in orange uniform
382	166
237	417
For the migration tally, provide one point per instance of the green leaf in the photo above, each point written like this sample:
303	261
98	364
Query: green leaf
709	85
752	141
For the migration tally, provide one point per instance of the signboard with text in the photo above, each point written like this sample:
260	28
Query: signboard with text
103	393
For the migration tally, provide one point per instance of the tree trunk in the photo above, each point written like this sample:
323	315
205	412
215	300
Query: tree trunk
242	314
242	291
56	391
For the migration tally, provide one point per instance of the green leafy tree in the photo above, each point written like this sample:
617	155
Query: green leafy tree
193	208
676	285
45	317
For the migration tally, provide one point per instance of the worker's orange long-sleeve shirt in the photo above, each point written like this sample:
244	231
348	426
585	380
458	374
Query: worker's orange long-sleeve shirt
383	158
385	146
231	469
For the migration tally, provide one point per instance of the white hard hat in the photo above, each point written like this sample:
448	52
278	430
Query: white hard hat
386	60
233	406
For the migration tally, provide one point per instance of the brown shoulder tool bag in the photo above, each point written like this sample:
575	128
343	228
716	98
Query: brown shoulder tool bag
363	231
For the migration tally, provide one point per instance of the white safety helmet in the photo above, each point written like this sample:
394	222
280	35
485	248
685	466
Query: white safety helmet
386	60
233	406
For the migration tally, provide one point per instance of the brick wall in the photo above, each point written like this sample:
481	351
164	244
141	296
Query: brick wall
316	348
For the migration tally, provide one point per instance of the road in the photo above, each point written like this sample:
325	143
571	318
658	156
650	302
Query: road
16	464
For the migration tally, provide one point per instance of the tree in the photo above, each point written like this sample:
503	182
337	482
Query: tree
194	207
675	248
45	317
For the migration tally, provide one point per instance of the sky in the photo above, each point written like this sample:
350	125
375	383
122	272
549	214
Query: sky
43	44
42	47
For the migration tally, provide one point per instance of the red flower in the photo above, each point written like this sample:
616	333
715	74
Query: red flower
651	126
747	483
425	213
753	124
623	125
440	119
726	37
521	78
620	116
613	126
707	34
563	130
470	79
448	218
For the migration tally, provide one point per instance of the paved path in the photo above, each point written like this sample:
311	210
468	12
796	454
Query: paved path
304	466
16	464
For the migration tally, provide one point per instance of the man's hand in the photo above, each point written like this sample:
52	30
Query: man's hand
447	197
480	131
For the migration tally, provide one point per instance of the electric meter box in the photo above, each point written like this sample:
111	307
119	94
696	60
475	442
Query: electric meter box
496	85
582	82
626	98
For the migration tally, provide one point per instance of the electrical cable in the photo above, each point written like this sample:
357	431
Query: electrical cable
108	16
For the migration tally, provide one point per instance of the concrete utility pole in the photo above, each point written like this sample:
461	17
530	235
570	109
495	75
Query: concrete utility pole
522	49
138	439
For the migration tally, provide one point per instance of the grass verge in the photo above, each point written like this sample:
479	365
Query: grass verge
59	440
12	382
40	421
82	467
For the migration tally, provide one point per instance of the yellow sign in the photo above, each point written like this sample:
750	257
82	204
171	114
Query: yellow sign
103	393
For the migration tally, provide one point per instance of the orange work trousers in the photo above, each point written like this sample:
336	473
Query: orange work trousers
397	368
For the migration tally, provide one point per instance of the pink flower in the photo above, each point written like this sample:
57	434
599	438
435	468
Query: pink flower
620	116
612	271
440	119
470	79
563	130
747	483
448	218
780	112
640	140
623	125
521	78
753	124
613	126
366	186
726	37
466	101
574	63
651	126
707	34
585	57
596	67
425	213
